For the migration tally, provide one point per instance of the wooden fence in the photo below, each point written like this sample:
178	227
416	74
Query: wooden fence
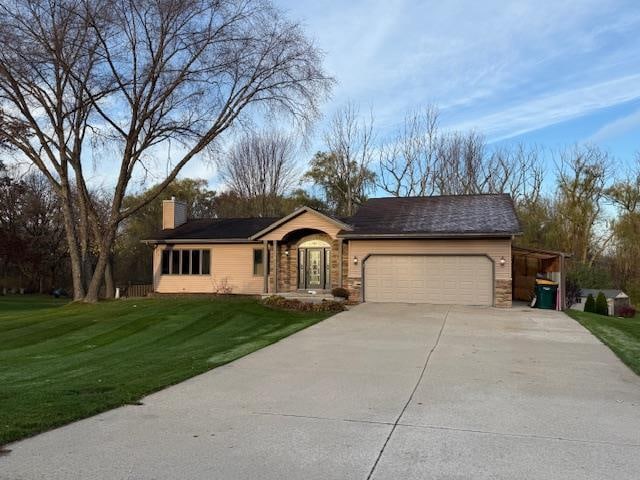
136	290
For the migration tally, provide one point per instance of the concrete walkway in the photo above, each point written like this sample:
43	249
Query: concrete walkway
381	392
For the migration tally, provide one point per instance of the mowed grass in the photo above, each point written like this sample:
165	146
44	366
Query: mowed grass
26	303
622	335
62	362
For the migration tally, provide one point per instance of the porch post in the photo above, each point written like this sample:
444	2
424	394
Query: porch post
340	262
265	266
275	266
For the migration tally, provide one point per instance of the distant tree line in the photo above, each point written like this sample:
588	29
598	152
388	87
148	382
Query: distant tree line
33	253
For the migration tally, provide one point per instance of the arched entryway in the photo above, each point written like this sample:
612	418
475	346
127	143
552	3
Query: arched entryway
304	252
314	263
305	260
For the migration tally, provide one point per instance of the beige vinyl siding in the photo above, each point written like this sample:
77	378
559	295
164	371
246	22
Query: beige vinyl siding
233	262
304	220
494	248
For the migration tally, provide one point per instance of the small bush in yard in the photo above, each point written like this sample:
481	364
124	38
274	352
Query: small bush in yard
277	301
602	307
590	304
340	292
626	311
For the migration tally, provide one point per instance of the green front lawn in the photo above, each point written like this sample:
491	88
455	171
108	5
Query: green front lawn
26	303
622	335
60	363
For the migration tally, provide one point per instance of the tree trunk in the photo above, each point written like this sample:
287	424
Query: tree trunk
109	283
83	234
101	266
74	254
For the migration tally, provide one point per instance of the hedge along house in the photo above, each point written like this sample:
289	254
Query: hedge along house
439	249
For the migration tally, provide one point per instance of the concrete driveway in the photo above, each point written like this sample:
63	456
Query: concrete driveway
381	392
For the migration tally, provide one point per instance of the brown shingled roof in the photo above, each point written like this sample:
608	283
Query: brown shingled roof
447	215
215	229
435	216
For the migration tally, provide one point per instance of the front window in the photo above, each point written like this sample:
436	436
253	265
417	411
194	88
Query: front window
206	262
258	261
186	262
175	262
166	262
195	262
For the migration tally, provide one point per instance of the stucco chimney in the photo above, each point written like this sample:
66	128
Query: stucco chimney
174	213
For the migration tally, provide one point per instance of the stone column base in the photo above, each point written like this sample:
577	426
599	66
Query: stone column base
354	285
503	294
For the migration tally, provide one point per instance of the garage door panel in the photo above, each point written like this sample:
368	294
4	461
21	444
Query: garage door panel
441	279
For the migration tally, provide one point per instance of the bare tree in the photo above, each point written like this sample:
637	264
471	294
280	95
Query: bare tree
343	172
136	75
625	194
625	197
516	170
423	160
460	164
407	163
262	168
31	232
582	173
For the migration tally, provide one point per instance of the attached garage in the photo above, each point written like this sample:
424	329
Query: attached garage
437	279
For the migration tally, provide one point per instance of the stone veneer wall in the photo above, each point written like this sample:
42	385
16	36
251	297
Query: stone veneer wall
354	285
503	293
345	264
335	267
287	268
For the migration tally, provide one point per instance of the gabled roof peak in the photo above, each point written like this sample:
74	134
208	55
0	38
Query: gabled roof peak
294	214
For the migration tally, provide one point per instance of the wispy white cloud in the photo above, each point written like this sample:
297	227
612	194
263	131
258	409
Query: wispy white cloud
617	127
559	107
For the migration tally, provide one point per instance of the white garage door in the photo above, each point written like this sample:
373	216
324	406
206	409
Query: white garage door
460	280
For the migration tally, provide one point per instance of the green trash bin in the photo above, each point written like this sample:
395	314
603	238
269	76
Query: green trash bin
546	296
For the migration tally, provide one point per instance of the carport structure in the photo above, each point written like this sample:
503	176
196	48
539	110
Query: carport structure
531	263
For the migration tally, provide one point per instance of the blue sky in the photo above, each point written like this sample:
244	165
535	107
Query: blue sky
547	72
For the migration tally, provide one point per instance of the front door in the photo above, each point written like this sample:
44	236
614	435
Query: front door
315	268
314	265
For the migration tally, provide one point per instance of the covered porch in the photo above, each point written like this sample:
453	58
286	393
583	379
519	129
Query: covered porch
303	254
